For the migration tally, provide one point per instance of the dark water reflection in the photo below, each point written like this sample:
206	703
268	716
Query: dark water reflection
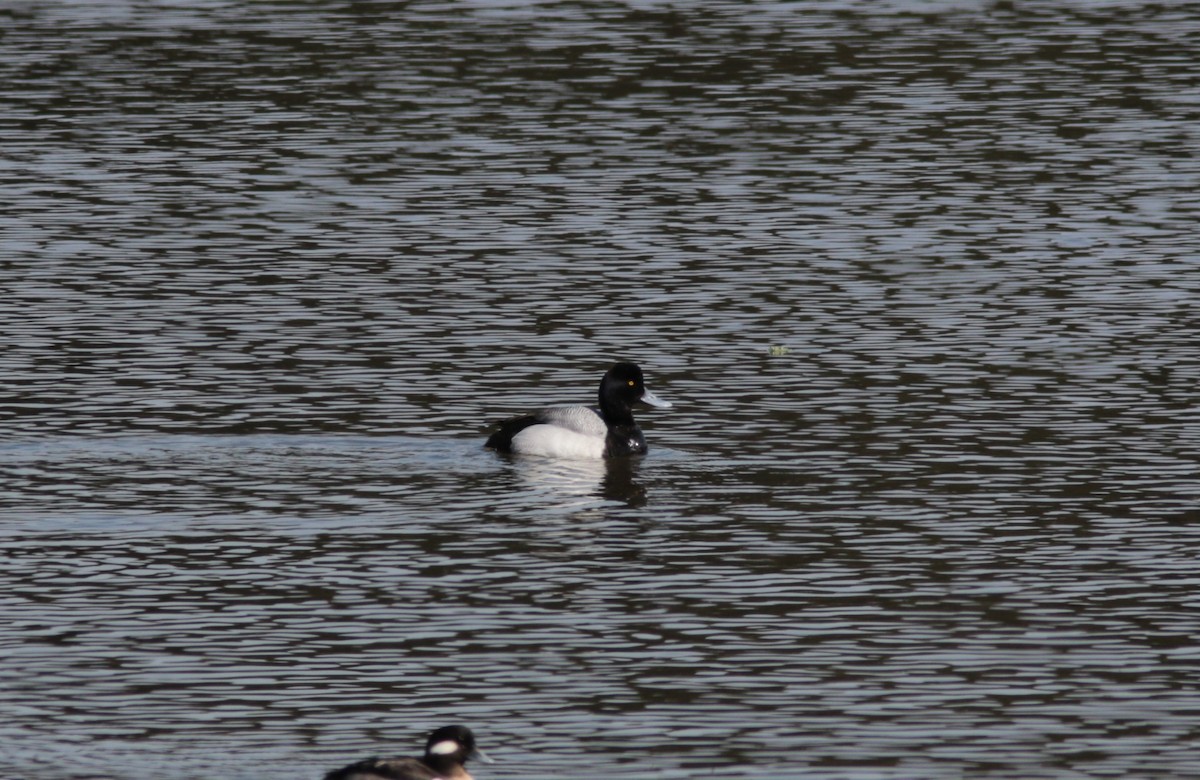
919	276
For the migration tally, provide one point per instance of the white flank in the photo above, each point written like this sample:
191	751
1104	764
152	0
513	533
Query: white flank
558	442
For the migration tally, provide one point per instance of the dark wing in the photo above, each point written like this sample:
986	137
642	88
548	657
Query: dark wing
501	440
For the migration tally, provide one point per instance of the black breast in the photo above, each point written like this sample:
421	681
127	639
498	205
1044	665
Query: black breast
624	440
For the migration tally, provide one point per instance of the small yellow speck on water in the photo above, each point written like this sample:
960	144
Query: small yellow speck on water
778	350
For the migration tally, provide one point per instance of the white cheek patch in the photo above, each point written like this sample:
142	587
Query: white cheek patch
444	748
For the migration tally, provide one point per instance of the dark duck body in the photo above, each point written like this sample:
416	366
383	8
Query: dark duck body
446	753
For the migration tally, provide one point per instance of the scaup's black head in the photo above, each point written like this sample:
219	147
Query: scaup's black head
623	386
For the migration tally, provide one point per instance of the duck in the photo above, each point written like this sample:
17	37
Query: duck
604	431
446	753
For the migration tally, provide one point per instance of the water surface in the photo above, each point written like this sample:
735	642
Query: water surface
920	278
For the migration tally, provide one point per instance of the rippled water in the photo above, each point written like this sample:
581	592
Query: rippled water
920	277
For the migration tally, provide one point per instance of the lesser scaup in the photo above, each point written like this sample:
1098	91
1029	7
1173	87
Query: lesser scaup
446	752
606	431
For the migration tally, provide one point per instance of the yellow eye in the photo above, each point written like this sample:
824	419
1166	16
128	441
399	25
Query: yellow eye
632	383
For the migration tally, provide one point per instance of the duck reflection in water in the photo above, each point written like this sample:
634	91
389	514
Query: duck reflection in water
575	485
